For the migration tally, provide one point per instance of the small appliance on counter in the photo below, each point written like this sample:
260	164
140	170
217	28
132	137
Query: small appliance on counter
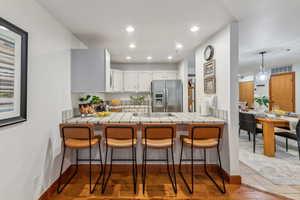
166	95
207	104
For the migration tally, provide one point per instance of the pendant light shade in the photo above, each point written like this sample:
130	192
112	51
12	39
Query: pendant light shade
262	76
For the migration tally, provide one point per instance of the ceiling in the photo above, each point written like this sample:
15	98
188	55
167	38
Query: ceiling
271	25
159	25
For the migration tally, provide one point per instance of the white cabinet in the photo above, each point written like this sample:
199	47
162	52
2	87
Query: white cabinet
145	79
90	69
130	81
164	75
117	80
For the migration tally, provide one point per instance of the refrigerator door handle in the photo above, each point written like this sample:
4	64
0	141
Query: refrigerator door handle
166	99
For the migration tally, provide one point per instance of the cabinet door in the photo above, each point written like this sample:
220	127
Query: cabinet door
145	79
108	74
117	80
164	75
131	81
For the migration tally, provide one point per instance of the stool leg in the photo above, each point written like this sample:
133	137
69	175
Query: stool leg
59	188
144	167
110	169
133	168
209	176
180	172
101	172
174	172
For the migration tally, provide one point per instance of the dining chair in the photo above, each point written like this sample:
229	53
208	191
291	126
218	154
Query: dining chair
290	134
79	136
247	122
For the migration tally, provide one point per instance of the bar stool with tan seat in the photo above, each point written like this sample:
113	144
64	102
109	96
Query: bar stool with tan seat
159	136
79	136
202	136
120	136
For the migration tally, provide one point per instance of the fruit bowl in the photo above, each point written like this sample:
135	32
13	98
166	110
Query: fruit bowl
103	114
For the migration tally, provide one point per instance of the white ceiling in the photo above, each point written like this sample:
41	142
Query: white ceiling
272	25
159	24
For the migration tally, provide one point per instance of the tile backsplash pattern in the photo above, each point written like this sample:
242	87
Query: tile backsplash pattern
221	114
67	114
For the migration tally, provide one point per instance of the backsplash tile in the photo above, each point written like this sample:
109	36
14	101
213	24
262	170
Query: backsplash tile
67	114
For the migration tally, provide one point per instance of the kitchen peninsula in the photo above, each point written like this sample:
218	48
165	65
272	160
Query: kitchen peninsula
180	118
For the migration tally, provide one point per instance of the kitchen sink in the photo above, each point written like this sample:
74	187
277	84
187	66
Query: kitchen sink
154	115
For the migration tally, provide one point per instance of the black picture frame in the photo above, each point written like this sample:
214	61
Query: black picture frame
23	74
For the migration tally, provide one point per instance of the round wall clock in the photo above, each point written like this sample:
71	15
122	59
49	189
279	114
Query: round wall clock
208	53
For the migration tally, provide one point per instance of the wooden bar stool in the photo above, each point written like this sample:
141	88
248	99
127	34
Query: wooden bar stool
120	136
79	136
202	136
159	136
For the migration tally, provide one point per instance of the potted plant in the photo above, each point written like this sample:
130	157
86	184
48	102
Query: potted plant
263	103
138	100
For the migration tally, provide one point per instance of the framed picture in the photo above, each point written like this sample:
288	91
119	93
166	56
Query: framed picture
209	76
13	73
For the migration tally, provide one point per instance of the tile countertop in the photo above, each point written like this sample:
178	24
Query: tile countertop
178	118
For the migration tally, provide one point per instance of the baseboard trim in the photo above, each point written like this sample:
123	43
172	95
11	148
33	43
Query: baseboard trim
156	168
52	188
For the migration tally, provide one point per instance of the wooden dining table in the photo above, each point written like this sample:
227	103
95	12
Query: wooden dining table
269	133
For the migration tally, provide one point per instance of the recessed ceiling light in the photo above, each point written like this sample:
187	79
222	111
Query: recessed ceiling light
132	46
128	58
179	46
130	29
170	57
194	28
149	58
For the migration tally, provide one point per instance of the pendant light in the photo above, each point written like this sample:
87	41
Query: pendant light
262	76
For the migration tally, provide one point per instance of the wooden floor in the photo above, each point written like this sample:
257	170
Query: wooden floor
158	187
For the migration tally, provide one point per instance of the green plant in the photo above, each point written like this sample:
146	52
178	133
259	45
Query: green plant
262	101
85	99
95	100
138	100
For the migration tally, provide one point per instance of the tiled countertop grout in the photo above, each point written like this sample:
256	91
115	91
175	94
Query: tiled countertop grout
178	118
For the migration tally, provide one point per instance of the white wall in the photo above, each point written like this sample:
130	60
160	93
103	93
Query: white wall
30	151
225	43
145	66
183	75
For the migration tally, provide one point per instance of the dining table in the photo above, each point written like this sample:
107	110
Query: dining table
268	124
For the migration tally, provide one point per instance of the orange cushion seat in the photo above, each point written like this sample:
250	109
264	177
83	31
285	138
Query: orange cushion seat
120	143
78	143
159	143
200	143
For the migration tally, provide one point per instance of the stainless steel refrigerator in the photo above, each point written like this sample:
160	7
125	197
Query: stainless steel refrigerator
166	95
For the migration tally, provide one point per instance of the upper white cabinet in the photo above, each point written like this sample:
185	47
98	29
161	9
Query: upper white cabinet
130	81
108	78
89	68
164	75
145	79
117	80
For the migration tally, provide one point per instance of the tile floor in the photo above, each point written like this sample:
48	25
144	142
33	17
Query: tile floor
279	175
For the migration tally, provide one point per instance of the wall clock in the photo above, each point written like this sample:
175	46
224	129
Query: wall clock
208	53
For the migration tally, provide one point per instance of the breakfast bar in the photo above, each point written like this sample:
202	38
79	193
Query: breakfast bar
180	119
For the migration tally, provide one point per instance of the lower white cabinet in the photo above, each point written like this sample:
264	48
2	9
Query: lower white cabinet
130	81
117	80
145	79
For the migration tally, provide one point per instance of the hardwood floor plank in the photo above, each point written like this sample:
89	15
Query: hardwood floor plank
158	187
